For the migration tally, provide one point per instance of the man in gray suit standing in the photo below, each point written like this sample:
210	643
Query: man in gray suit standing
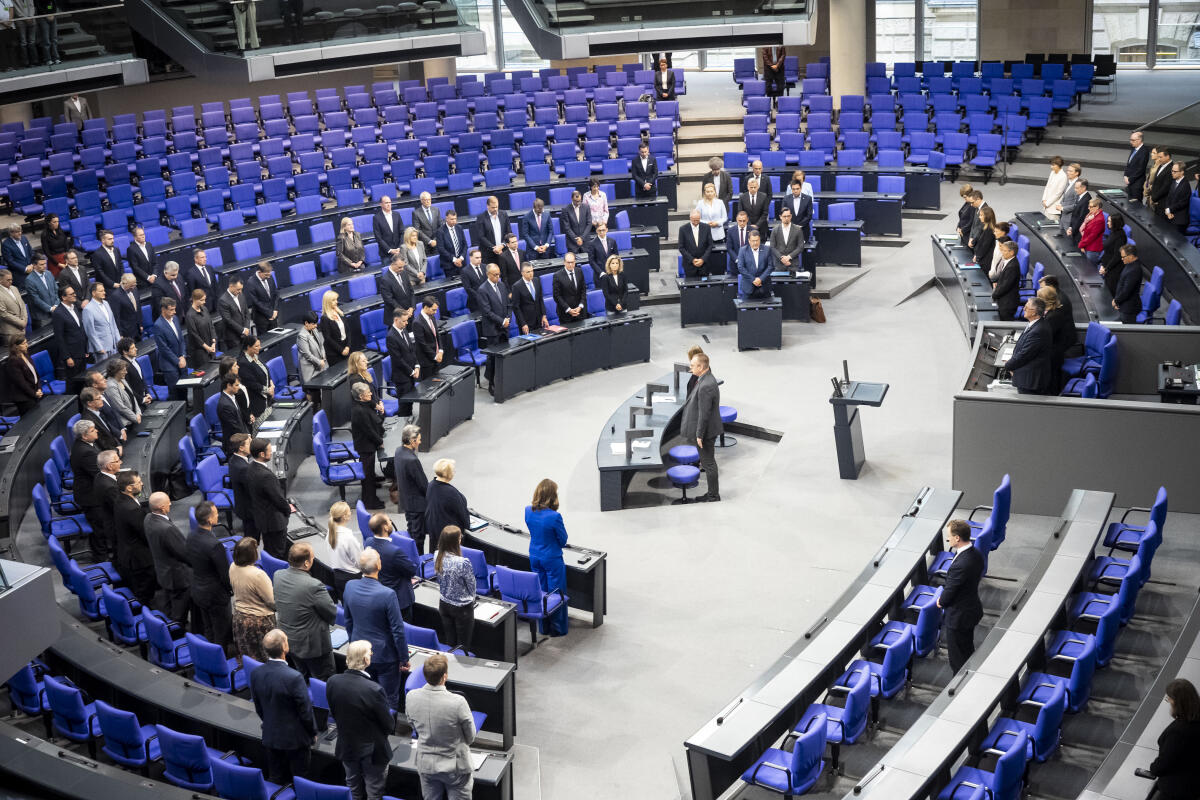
305	611
445	730
76	110
702	423
168	548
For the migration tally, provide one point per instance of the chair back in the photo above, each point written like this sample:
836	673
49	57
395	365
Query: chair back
123	739
270	564
162	649
928	626
212	669
1126	597
521	588
896	662
310	790
185	759
858	703
1001	508
1109	363
421	637
1158	512
1049	722
807	752
277	371
1107	627
1010	768
234	782
121	621
479	566
1079	684
66	704
24	691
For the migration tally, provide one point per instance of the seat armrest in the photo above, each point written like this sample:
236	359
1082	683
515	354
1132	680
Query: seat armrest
971	516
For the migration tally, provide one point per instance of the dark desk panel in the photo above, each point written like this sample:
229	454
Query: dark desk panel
706	300
965	287
23	450
154	455
288	427
839	243
334	389
922	186
443	402
587	570
796	293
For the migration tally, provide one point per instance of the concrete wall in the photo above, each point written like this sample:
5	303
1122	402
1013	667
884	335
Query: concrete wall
1010	28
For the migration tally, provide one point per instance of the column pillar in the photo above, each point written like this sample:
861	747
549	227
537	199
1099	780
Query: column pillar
440	68
17	112
847	48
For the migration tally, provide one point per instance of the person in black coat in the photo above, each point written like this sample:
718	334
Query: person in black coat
510	261
388	227
170	285
600	248
271	508
1176	768
91	403
495	315
411	483
1127	298
1080	211
133	374
366	429
570	291
85	468
263	296
451	245
527	302
364	723
644	171
168	548
281	701
1135	167
107	262
1006	291
801	207
756	203
575	221
444	504
1110	257
1176	208
473	275
70	339
402	350
425	333
985	241
695	246
239	481
1030	359
335	330
396	569
1062	332
126	306
612	285
21	384
966	214
490	228
254	376
211	591
142	258
202	276
395	287
229	412
236	317
960	595
1161	184
664	81
134	560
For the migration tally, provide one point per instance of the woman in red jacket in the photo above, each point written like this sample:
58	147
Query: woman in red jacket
1091	233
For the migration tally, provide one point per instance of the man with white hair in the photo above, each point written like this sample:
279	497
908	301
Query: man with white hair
126	306
364	722
168	548
427	219
84	465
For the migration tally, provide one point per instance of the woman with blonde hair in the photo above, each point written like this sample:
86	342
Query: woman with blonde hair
414	256
1062	331
547	538
253	599
612	283
346	546
358	371
333	329
350	252
445	505
713	212
456	587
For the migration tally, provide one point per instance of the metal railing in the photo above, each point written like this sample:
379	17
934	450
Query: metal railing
65	38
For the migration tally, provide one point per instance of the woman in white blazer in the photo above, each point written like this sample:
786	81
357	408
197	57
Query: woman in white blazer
1056	184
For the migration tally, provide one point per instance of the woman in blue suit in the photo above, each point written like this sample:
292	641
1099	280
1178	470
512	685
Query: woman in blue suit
547	537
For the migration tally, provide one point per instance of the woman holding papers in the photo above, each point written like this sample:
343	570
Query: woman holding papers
547	537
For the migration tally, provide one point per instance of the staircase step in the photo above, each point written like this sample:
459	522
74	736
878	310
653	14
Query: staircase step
710	133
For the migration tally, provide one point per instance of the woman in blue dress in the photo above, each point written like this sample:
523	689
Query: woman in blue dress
547	537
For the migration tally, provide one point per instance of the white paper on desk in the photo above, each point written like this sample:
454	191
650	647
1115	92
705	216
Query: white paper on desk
269	434
664	398
642	444
616	449
273	425
477	760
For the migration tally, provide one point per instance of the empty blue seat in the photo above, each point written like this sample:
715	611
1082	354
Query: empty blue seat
792	773
844	724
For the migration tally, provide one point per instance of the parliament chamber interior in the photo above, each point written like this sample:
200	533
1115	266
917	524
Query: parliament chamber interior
536	313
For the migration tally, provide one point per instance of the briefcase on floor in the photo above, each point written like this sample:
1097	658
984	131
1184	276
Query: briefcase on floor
818	311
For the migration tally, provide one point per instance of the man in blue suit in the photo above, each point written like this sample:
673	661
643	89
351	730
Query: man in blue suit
451	245
600	248
1030	361
17	255
373	614
168	344
397	570
754	268
42	291
281	701
536	231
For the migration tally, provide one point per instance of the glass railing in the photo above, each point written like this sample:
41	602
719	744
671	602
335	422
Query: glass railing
233	26
570	14
69	37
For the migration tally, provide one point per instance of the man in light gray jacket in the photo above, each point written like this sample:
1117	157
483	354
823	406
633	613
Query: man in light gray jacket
305	611
445	730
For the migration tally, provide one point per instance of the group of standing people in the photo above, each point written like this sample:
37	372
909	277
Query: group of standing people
29	34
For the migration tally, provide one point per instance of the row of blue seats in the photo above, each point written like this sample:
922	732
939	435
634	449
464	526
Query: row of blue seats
933	75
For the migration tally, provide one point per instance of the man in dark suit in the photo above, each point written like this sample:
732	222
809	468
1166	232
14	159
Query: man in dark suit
536	231
134	560
168	548
427	219
169	285
490	228
1135	167
576	223
1160	187
271	508
360	706
451	245
755	263
373	615
1176	208
701	423
281	701
255	376
664	81
401	347
411	483
70	340
1030	362
366	431
395	287
127	308
494	318
772	69
142	258
106	262
600	248
169	344
527	302
737	236
127	348
91	403
201	276
800	204
787	243
756	204
236	320
229	413
509	261
239	480
263	294
473	276
388	228
17	254
84	465
397	570
1006	291
1127	299
764	183
305	611
1080	211
429	346
211	591
644	172
720	179
960	594
570	291
74	275
695	245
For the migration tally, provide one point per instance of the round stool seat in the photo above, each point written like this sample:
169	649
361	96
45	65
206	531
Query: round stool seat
386	9
728	414
352	13
684	454
431	5
324	16
407	8
684	476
